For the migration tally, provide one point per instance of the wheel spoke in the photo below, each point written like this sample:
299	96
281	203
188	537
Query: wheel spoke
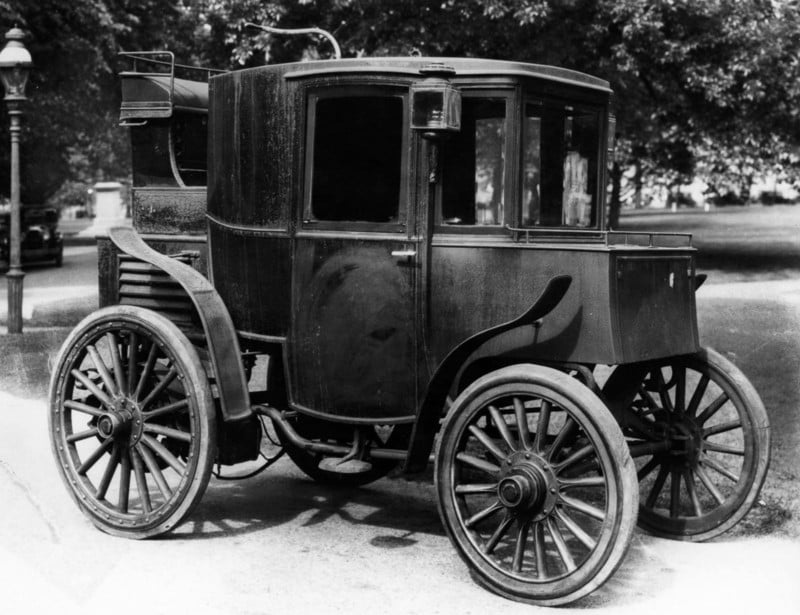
561	545
522	425
155	471
719	469
648	468
661	478
175	406
675	494
577	456
721	428
133	357
102	370
663	392
82	435
712	409
712	489
680	389
94	457
486	512
583	507
519	546
141	481
93	388
567	431
582	483
477	463
164	453
645	449
722	448
86	409
539	550
176	434
168	378
108	474
119	375
697	397
576	529
475	489
487	442
148	367
499	532
688	478
502	427
542	425
124	481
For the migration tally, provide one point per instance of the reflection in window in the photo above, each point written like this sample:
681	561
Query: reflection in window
357	159
474	165
560	166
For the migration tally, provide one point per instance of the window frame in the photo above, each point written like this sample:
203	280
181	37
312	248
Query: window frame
511	95
544	101
364	90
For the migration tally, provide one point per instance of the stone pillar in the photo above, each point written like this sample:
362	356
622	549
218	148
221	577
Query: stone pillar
109	210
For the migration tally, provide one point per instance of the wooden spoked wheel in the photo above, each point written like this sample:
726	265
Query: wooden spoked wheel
132	421
536	488
699	435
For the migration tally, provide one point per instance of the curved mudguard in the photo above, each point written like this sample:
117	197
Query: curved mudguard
220	334
425	426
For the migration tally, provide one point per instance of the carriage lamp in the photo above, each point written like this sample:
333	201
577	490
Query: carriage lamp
15	64
436	104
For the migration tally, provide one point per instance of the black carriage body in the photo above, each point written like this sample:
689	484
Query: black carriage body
368	288
355	250
417	247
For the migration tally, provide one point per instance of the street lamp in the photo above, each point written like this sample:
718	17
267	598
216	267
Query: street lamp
15	63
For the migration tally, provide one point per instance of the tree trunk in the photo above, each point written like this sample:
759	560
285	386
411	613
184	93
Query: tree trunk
637	185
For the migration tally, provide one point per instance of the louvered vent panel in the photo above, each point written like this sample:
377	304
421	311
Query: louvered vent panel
147	286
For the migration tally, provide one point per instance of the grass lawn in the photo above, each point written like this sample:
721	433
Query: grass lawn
735	244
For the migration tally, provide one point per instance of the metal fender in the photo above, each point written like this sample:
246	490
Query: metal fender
220	334
425	426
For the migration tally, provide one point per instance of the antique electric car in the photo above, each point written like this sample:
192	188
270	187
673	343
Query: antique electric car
397	261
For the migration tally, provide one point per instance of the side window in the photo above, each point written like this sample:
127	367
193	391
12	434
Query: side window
561	146
474	165
356	162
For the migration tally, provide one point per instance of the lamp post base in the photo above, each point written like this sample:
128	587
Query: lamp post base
14	279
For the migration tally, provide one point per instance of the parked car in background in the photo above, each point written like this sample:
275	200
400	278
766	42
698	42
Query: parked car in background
41	240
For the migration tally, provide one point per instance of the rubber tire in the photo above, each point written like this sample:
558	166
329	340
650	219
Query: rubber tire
595	417
166	333
744	395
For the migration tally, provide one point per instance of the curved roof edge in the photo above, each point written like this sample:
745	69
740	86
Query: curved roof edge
411	66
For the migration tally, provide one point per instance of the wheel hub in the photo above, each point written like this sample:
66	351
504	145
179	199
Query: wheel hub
685	440
528	485
124	421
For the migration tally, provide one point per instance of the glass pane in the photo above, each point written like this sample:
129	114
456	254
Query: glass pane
357	158
474	165
561	146
531	189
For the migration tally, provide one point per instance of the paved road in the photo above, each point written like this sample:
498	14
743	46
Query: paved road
54	296
278	543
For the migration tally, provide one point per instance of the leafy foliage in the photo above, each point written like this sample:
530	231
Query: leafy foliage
708	87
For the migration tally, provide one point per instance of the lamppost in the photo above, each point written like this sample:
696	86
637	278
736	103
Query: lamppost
15	63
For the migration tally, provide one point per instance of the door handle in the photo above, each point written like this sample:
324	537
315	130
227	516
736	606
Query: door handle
404	253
